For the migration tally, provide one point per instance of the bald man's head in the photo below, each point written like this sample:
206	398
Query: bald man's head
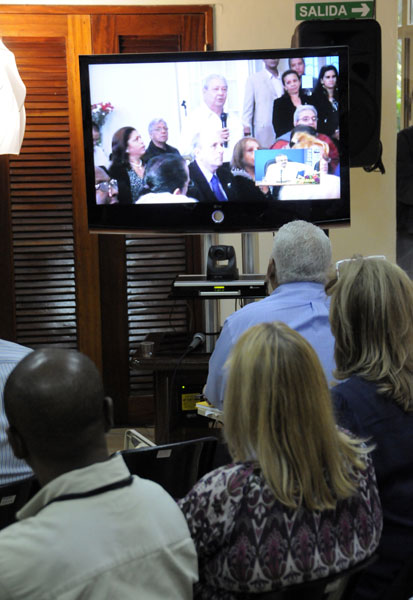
55	400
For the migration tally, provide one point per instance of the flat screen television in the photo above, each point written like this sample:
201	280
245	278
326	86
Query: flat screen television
298	175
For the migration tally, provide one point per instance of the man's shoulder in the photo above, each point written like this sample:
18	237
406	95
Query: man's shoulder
12	352
224	172
407	132
325	138
143	511
282	141
199	111
251	311
194	170
284	304
258	76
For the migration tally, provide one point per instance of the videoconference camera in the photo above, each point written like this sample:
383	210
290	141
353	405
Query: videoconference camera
218	272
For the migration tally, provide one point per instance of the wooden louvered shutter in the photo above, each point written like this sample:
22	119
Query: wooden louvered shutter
51	294
40	180
152	264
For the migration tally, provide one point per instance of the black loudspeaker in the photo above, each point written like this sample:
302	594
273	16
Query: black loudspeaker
363	37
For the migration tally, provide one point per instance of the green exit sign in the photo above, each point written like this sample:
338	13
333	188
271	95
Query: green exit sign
306	11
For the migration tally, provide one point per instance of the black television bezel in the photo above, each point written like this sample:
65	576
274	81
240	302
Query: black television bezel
196	218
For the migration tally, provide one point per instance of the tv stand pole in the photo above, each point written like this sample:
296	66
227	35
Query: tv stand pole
250	260
249	266
212	316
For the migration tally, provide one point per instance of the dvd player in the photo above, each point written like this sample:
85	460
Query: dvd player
198	286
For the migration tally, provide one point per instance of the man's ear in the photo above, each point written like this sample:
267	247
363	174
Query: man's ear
108	413
272	274
17	443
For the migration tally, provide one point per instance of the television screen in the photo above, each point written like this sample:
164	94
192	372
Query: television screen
216	141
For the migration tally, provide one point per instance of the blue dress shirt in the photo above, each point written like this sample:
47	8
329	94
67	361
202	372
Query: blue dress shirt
11	468
302	305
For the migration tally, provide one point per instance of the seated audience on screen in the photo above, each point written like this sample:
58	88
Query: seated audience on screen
284	107
243	158
99	157
325	99
372	321
11	468
298	270
127	165
300	500
210	115
92	531
158	132
165	181
243	165
306	116
106	188
210	180
261	89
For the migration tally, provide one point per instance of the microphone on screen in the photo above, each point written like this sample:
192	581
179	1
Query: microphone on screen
198	340
224	116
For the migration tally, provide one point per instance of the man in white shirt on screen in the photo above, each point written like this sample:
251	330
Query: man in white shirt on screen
210	115
283	171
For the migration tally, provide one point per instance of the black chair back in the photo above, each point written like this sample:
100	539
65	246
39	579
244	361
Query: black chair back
176	467
13	496
402	586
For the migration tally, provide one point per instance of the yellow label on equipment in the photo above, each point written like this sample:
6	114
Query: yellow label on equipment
189	401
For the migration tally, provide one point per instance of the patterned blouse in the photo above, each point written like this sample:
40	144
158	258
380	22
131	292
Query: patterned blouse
249	542
136	184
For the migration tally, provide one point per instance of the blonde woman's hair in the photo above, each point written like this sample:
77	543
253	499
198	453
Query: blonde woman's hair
278	411
371	317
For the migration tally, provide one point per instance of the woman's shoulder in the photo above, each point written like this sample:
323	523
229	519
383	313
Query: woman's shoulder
235	480
117	169
281	100
239	470
318	96
354	383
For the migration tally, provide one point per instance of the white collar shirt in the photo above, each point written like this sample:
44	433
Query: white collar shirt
202	118
128	543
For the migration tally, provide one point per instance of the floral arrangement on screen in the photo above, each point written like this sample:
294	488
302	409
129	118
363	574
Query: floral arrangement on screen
100	111
314	178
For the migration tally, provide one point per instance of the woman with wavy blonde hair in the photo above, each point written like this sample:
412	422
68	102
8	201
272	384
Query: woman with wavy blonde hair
300	502
372	321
